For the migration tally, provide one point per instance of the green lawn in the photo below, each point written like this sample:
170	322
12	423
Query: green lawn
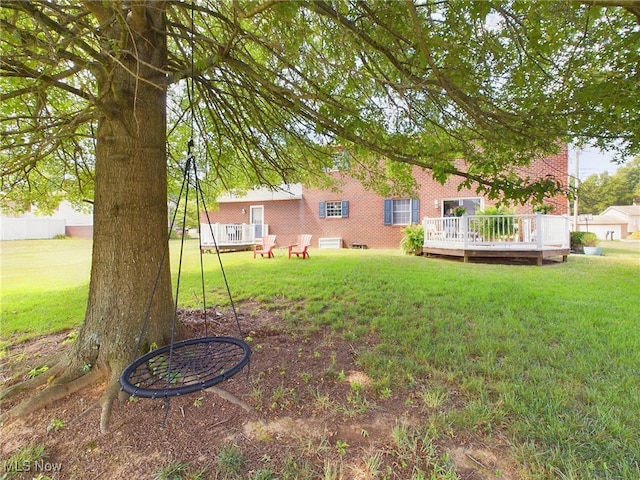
548	356
44	285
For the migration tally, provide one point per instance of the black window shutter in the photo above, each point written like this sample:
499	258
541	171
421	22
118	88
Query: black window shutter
387	211
415	210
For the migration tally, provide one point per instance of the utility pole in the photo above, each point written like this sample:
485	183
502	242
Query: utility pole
577	184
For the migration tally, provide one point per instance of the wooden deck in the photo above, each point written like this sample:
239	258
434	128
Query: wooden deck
532	238
229	247
233	237
508	254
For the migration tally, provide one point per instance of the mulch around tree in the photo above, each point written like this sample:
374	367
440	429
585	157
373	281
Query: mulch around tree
303	397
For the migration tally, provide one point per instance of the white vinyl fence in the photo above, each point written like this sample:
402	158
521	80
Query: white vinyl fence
20	228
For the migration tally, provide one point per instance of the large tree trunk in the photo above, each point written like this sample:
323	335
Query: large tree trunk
130	209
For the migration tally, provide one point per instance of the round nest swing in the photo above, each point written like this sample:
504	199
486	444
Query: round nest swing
185	367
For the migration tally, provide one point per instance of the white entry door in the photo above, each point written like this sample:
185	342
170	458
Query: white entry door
256	218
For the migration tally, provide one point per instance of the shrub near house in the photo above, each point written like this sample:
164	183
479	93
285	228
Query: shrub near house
579	240
412	239
494	224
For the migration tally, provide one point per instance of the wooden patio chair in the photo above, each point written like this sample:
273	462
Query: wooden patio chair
301	246
268	242
432	233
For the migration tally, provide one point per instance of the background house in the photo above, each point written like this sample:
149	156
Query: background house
358	216
615	223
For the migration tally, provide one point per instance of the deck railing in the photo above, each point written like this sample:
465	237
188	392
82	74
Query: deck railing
535	231
232	233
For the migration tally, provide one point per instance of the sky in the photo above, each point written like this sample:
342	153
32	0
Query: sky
591	160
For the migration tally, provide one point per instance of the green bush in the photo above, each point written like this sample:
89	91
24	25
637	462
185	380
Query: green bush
583	239
494	223
577	240
590	239
543	208
459	211
412	239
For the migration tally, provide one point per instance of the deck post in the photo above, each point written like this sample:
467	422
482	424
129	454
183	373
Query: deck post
465	231
539	231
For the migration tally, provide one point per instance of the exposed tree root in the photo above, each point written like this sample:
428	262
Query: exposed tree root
106	402
36	381
56	391
230	398
25	365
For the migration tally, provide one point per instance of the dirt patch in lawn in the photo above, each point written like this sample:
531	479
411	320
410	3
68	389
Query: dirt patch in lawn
303	409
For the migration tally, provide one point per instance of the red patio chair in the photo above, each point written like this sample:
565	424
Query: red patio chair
268	242
301	246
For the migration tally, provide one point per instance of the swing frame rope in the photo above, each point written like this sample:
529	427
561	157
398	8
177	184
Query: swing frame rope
194	364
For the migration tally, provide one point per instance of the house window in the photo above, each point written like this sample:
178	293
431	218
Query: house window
401	211
472	205
333	209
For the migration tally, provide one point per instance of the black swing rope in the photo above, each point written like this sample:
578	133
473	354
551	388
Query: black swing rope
197	363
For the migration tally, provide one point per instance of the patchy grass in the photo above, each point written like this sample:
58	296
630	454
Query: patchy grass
546	356
24	460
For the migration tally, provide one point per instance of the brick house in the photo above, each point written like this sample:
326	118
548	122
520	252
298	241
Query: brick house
359	216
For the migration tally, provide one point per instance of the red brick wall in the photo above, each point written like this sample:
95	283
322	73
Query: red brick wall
365	224
85	231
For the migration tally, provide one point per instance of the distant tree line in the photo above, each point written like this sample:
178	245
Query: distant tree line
601	190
